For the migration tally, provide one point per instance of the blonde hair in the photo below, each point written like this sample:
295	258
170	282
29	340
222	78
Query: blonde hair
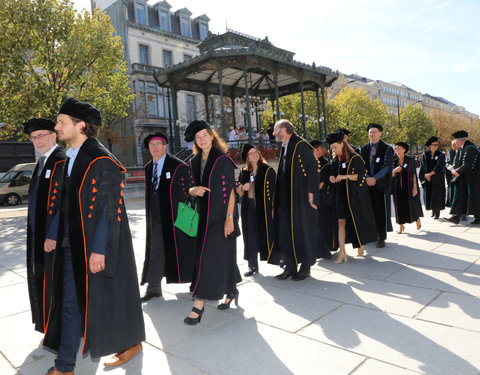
217	142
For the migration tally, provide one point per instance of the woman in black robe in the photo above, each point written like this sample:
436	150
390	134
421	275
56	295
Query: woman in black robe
256	186
354	212
432	176
406	199
213	173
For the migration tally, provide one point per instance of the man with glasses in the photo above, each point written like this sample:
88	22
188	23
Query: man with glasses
432	177
378	157
168	250
43	214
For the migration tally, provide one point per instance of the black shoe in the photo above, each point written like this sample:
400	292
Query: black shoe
149	295
476	221
301	275
463	217
285	275
231	297
250	272
194	321
381	243
454	219
437	215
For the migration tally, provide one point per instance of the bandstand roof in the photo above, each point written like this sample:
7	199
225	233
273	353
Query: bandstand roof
232	52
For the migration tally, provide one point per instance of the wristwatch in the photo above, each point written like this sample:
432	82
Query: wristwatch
229	216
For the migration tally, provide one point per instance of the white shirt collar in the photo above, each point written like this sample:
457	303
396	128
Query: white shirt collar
49	152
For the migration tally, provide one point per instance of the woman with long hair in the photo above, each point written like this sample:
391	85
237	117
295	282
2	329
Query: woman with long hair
406	197
256	187
356	221
213	179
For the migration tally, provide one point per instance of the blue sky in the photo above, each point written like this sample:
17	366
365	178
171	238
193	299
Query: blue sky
432	46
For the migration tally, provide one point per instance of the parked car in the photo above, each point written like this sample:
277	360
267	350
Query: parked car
14	184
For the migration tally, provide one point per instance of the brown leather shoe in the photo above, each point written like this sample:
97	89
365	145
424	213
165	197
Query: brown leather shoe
124	356
54	371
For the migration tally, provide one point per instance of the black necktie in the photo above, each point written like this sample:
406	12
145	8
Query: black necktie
284	159
41	164
154	177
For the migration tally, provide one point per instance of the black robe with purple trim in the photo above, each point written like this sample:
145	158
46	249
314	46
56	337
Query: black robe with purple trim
216	267
361	226
434	190
39	262
177	247
408	208
109	300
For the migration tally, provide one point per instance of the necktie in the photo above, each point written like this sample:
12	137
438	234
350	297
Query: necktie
41	164
284	159
154	176
373	153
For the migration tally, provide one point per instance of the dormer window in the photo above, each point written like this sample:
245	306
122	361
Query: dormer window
185	26
141	13
164	20
203	31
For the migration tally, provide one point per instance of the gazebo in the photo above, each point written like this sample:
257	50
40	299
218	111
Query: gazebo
239	66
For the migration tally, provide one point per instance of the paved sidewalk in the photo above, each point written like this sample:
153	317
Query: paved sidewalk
410	308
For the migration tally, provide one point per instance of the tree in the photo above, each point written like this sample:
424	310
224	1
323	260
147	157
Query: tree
416	126
447	123
48	52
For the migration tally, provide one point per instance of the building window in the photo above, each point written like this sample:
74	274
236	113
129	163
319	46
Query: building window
185	26
186	57
144	54
141	13
150	100
191	108
203	31
164	20
167	59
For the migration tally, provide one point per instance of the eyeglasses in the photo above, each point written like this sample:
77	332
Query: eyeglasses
252	153
157	144
434	144
39	137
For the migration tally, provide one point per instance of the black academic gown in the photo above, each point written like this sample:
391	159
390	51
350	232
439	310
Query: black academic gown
469	169
264	188
460	189
109	301
326	210
433	190
360	221
44	192
177	247
407	208
449	177
216	270
300	178
380	192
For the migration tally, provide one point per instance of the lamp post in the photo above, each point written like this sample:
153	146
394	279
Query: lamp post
169	121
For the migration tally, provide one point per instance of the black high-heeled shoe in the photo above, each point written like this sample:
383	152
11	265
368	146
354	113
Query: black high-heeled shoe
231	297
194	321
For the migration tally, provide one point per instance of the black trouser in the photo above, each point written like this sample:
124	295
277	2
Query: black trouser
252	235
381	210
156	261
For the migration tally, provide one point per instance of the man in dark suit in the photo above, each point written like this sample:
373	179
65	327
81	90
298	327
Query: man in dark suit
168	250
378	157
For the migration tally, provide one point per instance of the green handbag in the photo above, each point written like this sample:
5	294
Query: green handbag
187	219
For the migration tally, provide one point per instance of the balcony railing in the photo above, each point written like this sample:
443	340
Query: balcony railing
142	68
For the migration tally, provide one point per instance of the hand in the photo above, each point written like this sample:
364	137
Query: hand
455	173
198	191
246	186
228	226
49	245
414	191
321	185
398	169
428	178
310	200
332	179
96	262
371	181
340	177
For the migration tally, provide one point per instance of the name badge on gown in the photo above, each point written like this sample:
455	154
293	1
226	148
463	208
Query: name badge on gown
252	179
48	173
436	157
377	160
405	165
167	175
344	165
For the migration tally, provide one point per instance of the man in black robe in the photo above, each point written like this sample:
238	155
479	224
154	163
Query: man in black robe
168	250
449	167
98	296
43	215
378	157
468	172
295	206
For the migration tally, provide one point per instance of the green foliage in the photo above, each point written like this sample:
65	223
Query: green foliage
48	52
416	126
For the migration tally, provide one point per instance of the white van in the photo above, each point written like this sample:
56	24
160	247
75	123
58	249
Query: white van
14	184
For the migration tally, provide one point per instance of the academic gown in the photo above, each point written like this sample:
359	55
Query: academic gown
44	193
360	221
177	247
264	188
449	177
460	189
434	190
326	216
407	208
216	270
109	300
301	177
469	169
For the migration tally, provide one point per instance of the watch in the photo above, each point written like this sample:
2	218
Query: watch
229	216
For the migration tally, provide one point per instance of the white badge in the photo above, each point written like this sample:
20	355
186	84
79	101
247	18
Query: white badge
47	173
436	157
377	160
252	179
168	175
344	165
405	165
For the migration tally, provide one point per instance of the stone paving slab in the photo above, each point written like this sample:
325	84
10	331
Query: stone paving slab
408	343
14	299
474	268
246	347
441	280
5	367
372	366
8	277
455	310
